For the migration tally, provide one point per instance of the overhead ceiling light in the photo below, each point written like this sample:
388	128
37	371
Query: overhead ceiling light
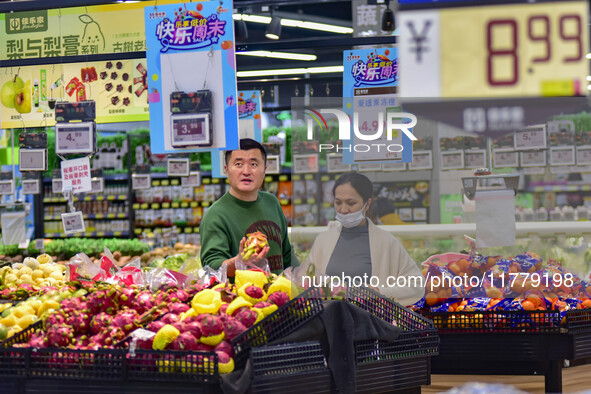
588	77
290	71
296	23
280	55
588	56
273	31
241	30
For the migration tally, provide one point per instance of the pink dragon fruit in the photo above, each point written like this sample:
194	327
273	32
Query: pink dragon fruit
179	325
126	320
144	301
185	341
145	344
37	340
127	296
211	325
79	322
53	320
201	347
179	295
246	316
113	336
59	336
155	325
100	321
223	309
170	318
102	301
233	328
178	308
278	298
194	328
225	347
75	304
226	294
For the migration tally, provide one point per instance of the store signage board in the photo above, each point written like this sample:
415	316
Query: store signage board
73	222
370	85
76	175
533	158
583	155
421	160
475	158
503	158
273	165
532	137
334	163
178	167
31	186
562	156
141	181
190	47
75	138
496	55
452	160
32	159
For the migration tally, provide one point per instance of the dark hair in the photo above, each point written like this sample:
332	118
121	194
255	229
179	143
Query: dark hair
248	144
362	185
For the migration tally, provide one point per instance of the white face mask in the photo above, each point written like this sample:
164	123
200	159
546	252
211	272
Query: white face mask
352	219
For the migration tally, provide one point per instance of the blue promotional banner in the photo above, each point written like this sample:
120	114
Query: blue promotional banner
381	131
249	126
191	77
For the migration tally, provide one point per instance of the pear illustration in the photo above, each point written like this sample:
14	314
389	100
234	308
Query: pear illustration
22	99
9	90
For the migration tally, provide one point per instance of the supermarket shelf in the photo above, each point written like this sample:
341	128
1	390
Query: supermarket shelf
111	197
448	231
166	205
184	229
92	216
102	234
560	188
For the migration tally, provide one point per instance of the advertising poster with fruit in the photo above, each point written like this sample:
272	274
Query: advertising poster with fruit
402	201
249	126
119	88
191	77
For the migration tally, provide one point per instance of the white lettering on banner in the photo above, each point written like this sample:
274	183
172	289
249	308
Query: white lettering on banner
479	119
366	15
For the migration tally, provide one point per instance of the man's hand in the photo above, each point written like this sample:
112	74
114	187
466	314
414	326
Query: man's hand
255	258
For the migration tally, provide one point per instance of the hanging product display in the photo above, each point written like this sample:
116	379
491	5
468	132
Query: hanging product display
191	119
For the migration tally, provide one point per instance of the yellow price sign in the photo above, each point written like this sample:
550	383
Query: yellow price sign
494	51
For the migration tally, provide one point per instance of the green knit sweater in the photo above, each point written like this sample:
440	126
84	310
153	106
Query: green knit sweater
229	219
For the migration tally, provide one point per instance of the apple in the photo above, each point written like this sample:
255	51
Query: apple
22	99
9	90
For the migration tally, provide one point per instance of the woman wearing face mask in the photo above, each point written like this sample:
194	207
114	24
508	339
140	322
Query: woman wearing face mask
356	247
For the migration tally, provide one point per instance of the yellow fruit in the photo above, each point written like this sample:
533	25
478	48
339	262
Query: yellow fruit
22	310
226	367
44	258
37	274
5	268
51	281
48	304
14	330
27	279
36	304
164	337
4	307
3	332
56	275
207	301
258	278
9	321
47	269
26	321
10	278
24	271
31	263
281	284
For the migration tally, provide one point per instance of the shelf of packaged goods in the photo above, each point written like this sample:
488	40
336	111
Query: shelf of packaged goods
448	231
298	201
167	205
110	197
185	229
100	234
560	188
92	216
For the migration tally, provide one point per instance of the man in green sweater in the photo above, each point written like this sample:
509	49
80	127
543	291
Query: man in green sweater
244	210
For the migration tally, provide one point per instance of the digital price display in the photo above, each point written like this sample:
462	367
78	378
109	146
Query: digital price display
421	160
334	163
532	137
583	155
475	158
273	166
393	166
7	187
194	179
31	186
74	138
73	222
452	160
32	159
141	181
178	167
191	130
562	156
97	185
503	158
533	158
494	50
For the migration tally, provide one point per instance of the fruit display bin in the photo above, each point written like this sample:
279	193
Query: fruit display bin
512	343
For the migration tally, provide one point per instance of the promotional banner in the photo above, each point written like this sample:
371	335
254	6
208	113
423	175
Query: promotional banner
29	93
378	131
191	77
74	31
249	126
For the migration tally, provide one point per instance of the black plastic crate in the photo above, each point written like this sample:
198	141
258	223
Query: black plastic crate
578	320
14	362
387	309
402	376
497	321
409	344
278	324
172	366
286	359
22	336
102	364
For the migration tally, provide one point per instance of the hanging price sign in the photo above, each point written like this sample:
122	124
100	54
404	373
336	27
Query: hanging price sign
505	158
532	137
31	186
475	158
73	222
583	155
562	156
421	160
533	159
452	160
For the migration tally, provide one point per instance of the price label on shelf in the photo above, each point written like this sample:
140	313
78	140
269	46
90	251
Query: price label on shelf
31	186
56	186
452	160
475	158
421	160
141	181
39	244
7	187
533	158
583	155
194	179
505	158
334	163
73	222
75	137
393	166
178	167
98	185
532	137
562	156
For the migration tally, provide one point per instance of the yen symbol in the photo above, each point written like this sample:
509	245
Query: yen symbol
419	39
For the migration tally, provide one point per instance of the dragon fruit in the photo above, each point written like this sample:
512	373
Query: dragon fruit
155	325
225	363
246	316
278	298
233	328
114	335
100	321
194	328
59	336
178	308
75	304
179	325
211	325
127	296
185	341
144	301
201	347
170	318
226	347
54	320
145	344
126	320
227	294
224	308
102	301
179	295
79	321
37	340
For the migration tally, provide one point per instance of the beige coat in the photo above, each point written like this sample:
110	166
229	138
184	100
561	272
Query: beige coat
388	259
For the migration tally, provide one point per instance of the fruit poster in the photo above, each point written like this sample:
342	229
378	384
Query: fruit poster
191	77
402	202
119	88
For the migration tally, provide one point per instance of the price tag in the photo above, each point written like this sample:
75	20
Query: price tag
367	167
334	163
505	158
194	179
31	186
76	175
73	222
98	185
57	186
141	181
534	170
533	158
562	155
7	187
75	137
394	166
273	166
178	167
306	163
40	244
452	160
583	155
532	137
421	160
475	158
32	159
